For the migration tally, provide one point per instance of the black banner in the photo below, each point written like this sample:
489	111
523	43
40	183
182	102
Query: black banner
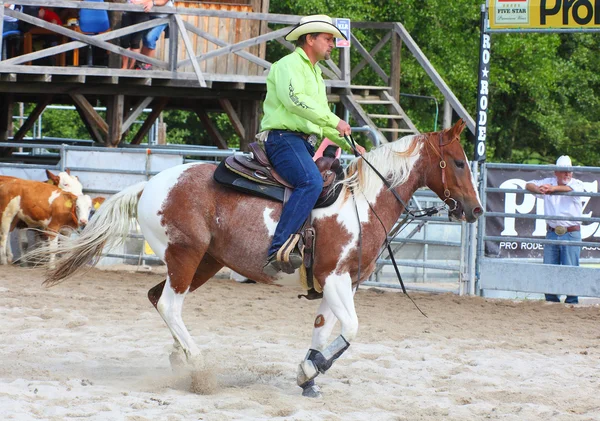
482	91
519	203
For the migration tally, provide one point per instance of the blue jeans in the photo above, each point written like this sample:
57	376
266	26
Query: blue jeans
10	26
562	255
291	157
152	35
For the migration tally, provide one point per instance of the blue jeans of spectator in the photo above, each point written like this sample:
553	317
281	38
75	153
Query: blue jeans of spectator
562	255
10	26
152	35
291	156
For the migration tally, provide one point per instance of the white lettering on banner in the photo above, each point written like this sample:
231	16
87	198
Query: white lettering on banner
591	229
531	203
486	42
481	133
482	100
484	87
482	118
483	103
511	206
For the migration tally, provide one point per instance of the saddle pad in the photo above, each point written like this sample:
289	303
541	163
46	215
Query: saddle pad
226	177
235	181
303	281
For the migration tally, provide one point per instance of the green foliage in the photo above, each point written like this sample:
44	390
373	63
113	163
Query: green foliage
544	88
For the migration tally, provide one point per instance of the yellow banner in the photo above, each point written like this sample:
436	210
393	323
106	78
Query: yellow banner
544	14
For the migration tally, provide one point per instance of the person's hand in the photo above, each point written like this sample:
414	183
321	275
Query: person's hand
360	149
146	3
546	188
343	128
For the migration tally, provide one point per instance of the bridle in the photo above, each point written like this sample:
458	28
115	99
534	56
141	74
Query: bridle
410	214
443	166
419	213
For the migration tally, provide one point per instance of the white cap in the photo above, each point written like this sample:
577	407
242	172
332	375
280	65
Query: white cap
564	161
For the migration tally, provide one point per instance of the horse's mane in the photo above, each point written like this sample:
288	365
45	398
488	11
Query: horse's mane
393	160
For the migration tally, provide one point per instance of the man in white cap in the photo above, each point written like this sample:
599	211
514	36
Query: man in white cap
296	116
560	205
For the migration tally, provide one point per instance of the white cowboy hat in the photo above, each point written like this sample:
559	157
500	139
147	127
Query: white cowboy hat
314	24
564	161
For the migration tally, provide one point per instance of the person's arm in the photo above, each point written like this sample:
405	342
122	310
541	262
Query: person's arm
533	188
149	4
290	89
547	188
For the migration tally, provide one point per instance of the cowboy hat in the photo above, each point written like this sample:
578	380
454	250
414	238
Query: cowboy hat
314	24
564	161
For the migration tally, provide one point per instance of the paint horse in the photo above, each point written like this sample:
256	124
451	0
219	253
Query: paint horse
197	226
33	204
64	181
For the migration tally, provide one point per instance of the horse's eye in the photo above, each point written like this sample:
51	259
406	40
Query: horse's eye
459	164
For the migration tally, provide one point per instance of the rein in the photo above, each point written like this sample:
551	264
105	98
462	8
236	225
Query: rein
419	214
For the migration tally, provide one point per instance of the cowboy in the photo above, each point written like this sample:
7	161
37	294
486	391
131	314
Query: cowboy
559	205
296	115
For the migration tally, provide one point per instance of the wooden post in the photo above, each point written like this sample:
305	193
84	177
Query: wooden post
33	116
6	114
249	114
173	42
447	118
114	60
96	126
114	119
233	118
395	67
157	107
211	128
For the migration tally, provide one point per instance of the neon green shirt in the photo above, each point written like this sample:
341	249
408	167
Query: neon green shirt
296	99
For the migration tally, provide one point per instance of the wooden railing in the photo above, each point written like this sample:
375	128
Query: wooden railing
180	58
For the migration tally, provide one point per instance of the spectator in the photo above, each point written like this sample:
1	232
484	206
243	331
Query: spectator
132	41
49	16
152	35
10	23
560	205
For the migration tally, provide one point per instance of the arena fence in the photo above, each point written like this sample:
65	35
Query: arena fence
431	251
512	235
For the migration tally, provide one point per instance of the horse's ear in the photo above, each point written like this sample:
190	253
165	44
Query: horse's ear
68	171
457	129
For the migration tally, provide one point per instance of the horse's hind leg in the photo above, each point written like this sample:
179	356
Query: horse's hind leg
337	304
169	305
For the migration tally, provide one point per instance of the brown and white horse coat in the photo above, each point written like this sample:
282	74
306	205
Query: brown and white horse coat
38	205
197	226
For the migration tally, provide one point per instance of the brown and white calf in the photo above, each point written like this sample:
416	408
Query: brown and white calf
38	205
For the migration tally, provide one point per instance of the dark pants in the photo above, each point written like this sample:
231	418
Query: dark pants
134	40
291	156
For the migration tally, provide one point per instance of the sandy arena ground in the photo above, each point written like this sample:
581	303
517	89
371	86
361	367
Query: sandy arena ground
96	349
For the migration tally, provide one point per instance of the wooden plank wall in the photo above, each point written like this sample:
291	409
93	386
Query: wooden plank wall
227	29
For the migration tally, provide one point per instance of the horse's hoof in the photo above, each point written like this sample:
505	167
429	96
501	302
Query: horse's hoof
178	362
311	390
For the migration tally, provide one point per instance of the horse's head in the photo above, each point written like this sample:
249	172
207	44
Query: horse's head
449	174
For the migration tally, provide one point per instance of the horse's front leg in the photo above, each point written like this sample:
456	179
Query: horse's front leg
337	304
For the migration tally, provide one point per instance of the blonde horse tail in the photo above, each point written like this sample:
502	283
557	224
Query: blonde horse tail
108	228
